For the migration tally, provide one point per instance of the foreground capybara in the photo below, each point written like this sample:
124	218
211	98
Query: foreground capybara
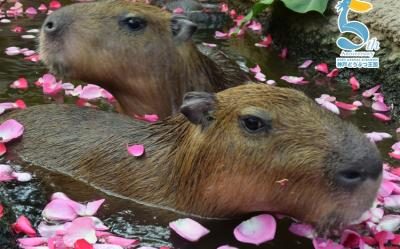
143	55
225	155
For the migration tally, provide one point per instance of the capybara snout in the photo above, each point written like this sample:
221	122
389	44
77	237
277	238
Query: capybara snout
284	137
249	148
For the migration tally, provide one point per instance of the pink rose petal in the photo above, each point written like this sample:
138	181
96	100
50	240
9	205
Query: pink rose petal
31	11
178	10
22	177
377	136
121	241
3	149
255	26
59	210
303	230
294	80
392	201
151	118
21	83
283	53
256	230
380	107
227	247
210	45
6	173
306	64
189	229
333	73
9	130
80	228
323	68
136	150
355	85
24	225
382	117
346	106
54	5
221	35
320	243
35	241
351	239
390	223
265	42
92	207
224	8
370	92
42	8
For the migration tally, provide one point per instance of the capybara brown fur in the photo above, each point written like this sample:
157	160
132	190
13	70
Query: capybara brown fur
143	55
226	154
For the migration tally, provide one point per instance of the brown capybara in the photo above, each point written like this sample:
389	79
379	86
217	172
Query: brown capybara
143	55
224	155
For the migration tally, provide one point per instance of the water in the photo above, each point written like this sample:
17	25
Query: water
130	219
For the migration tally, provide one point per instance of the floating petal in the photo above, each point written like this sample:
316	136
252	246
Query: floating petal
256	230
188	229
136	150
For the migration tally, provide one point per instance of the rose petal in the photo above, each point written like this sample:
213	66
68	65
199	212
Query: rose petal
265	42
323	68
256	230
355	85
283	53
59	210
21	83
54	5
22	177
320	243
333	73
82	244
9	130
35	241
24	225
303	230
392	201
306	64
294	80
380	107
121	241
227	247
370	92
136	150
346	106
389	223
188	229
382	117
80	228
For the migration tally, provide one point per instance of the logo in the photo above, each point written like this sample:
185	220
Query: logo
352	56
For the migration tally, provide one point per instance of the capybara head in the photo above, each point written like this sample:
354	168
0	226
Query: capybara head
114	42
258	148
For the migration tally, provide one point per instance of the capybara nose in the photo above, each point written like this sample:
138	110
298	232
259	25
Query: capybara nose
353	175
56	22
50	25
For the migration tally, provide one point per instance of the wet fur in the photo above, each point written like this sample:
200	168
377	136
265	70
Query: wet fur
135	68
213	171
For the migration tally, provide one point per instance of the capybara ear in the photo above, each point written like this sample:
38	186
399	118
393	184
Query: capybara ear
198	107
182	28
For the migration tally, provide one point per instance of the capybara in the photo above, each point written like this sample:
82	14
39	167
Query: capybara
143	55
248	148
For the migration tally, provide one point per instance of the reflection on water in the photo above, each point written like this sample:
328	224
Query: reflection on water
134	220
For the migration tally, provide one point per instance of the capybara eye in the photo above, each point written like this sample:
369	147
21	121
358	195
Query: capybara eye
254	124
134	23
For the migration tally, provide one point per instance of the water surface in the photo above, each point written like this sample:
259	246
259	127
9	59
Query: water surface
134	220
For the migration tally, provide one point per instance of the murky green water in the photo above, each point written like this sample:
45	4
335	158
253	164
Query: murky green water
150	224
